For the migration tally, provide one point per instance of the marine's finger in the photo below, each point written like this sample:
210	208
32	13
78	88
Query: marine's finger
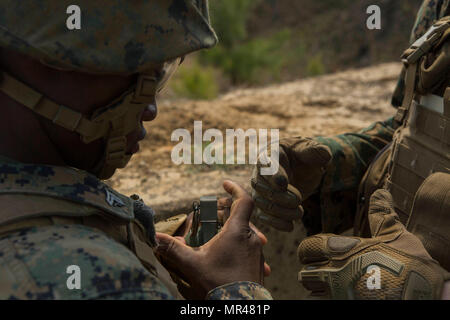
290	198
279	224
311	152
273	209
280	179
267	270
260	235
223	209
242	207
224	203
383	220
174	249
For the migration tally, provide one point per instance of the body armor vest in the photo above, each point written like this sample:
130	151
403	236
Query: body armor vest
421	148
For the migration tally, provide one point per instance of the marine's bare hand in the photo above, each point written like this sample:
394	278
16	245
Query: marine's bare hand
234	254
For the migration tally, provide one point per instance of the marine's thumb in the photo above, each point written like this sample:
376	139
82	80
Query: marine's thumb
313	153
173	249
383	219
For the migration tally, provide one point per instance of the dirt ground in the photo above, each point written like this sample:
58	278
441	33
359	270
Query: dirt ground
326	105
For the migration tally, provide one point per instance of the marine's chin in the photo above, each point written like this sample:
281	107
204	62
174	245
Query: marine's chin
135	148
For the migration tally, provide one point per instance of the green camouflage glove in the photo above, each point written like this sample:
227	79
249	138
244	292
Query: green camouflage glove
278	197
393	264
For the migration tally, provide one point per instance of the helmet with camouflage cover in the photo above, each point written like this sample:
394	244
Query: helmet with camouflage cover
117	37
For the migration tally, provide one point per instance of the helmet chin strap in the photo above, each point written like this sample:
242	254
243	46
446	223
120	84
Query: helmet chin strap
123	116
113	158
113	122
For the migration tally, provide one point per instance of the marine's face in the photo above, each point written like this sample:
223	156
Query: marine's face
81	92
98	91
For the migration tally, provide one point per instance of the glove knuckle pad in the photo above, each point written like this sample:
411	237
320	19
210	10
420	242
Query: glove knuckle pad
342	244
311	249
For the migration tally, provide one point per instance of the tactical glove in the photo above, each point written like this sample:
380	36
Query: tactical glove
278	197
393	264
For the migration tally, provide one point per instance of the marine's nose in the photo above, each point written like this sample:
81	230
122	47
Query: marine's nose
150	112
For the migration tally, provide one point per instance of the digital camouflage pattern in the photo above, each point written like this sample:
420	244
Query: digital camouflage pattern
63	183
116	36
430	12
33	265
53	217
333	210
240	290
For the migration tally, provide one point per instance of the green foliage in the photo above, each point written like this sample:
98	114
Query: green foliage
315	66
229	18
251	60
195	82
242	59
262	41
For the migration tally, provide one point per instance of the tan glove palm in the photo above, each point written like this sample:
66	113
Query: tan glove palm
393	264
278	197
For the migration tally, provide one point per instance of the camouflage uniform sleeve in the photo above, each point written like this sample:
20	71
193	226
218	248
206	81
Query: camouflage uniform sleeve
242	290
34	262
333	208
